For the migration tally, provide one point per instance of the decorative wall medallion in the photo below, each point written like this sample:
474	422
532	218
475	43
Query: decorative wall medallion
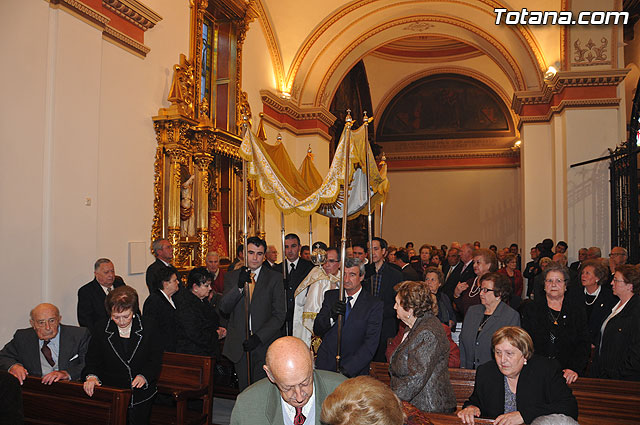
591	53
418	26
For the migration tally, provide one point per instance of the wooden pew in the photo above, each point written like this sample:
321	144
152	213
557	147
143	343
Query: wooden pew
65	403
185	377
600	401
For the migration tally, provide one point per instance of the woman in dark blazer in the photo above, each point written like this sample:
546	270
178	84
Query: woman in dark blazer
197	321
419	366
534	386
484	319
596	296
160	307
125	352
618	354
558	324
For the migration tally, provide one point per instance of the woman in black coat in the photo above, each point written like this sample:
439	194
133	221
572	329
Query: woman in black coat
160	306
125	352
517	387
596	296
618	354
558	324
197	321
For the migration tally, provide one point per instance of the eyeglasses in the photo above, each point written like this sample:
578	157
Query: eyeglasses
556	281
485	290
620	281
613	254
333	261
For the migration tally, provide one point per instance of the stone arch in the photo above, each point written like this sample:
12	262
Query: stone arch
360	27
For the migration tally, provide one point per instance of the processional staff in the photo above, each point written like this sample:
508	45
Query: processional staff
366	161
345	216
245	251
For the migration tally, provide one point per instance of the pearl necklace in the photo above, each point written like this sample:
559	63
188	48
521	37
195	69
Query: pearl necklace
594	295
473	292
125	332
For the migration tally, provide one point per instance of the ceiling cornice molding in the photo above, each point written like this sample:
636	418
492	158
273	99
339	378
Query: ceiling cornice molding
565	79
288	108
134	12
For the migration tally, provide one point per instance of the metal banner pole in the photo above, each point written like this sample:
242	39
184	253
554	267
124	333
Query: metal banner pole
310	232
345	216
246	284
366	173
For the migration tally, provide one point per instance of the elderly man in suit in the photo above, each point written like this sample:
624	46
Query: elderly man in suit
266	312
163	251
91	296
47	349
451	270
362	315
297	268
293	388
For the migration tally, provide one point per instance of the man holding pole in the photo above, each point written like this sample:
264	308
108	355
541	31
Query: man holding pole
362	315
265	314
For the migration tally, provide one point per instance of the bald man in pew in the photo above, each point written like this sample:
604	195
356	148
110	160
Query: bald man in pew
48	348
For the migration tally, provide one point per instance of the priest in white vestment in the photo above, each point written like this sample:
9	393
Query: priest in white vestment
310	294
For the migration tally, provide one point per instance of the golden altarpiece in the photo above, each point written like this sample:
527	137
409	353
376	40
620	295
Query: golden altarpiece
198	172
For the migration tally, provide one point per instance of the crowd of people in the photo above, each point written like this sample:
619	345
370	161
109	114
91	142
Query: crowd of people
290	330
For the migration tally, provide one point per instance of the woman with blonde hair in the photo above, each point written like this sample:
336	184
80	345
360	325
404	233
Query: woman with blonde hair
362	401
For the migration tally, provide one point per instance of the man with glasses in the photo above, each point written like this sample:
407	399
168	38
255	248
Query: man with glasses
292	394
617	257
48	349
310	293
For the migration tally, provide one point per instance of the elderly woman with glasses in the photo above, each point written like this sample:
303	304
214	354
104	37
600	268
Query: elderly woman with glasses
558	324
618	354
484	319
197	327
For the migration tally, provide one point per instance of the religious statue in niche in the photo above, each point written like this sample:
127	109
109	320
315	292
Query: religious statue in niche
187	216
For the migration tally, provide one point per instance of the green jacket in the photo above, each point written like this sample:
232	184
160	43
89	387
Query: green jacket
260	403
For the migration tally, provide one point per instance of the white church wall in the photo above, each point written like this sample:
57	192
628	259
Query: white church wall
441	206
77	173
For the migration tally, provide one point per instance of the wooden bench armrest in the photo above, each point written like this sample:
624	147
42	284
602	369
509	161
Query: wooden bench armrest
179	395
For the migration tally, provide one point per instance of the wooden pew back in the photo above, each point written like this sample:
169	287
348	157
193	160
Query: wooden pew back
185	377
65	403
600	401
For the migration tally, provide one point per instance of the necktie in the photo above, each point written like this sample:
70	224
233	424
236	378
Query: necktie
293	268
252	286
348	310
449	273
299	418
46	351
109	289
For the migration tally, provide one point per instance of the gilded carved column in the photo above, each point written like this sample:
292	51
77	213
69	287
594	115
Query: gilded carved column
202	162
176	159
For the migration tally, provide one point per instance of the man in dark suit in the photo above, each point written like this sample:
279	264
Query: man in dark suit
297	269
466	256
362	315
451	270
401	260
267	311
48	349
271	258
163	251
380	285
91	296
582	256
